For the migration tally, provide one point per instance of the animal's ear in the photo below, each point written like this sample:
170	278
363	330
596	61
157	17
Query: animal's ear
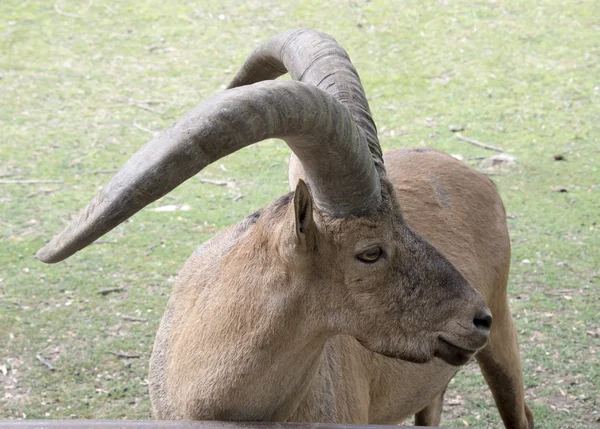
306	229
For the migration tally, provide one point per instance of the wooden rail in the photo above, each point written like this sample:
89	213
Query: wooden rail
161	424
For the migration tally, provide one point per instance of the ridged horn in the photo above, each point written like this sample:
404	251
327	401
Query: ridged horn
318	129
317	59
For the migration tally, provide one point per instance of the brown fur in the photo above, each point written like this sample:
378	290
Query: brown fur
276	318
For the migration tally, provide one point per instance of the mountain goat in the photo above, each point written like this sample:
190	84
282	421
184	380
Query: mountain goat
352	299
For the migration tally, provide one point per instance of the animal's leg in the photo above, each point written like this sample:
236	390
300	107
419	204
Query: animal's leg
432	413
501	366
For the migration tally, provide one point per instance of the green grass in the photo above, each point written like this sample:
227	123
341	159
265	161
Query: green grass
521	75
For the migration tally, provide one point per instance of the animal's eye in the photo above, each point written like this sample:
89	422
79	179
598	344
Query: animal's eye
370	256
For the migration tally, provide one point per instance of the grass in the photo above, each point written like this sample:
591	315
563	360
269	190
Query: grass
74	77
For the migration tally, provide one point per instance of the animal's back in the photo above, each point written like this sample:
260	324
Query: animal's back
458	210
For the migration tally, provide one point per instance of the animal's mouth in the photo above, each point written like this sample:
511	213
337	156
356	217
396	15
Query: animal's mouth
453	354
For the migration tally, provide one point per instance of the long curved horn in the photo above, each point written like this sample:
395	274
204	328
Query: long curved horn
319	130
317	59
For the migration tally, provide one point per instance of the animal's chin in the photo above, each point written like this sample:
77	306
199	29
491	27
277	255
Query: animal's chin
453	354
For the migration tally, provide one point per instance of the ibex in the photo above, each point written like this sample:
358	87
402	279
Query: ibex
352	299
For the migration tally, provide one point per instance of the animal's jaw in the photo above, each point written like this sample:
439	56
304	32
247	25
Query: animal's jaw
453	354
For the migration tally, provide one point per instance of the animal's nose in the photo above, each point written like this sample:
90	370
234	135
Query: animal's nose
483	320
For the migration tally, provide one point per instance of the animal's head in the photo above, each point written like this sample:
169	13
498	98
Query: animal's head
341	241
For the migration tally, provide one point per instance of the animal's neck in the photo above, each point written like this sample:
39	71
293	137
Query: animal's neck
246	355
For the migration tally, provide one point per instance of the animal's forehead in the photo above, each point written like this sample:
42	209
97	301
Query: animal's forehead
359	228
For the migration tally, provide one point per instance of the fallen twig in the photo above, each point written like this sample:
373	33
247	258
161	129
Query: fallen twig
27	182
146	108
562	292
187	18
154	245
103	172
477	143
110	290
141	128
141	105
125	355
41	191
43	362
214	182
72	15
149	101
134	319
